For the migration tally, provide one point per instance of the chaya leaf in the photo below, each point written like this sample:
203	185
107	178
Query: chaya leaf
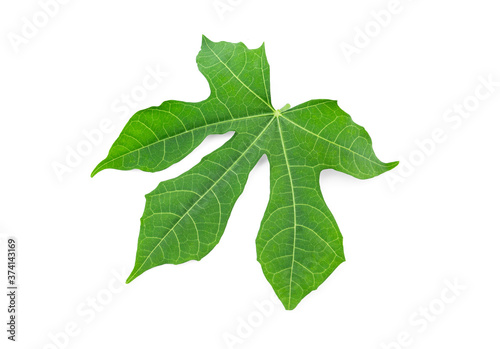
299	243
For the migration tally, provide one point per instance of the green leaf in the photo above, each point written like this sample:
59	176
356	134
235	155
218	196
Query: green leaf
299	243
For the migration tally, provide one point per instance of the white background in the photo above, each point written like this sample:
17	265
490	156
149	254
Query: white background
403	242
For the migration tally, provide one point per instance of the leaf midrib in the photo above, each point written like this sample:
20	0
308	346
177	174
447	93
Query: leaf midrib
294	205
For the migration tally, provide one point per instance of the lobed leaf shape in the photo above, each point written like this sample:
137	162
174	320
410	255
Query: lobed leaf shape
299	243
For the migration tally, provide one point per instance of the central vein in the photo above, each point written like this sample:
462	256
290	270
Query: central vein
294	211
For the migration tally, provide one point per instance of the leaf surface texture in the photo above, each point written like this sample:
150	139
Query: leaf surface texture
299	243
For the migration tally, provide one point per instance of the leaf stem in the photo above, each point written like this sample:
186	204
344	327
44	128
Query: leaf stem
285	107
